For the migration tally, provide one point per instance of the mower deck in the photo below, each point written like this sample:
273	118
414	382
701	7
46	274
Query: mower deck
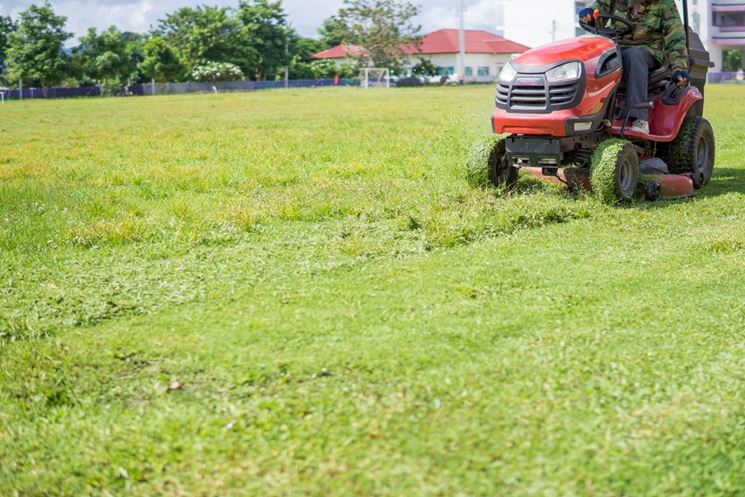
669	186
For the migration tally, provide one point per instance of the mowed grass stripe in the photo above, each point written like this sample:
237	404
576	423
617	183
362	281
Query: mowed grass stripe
555	367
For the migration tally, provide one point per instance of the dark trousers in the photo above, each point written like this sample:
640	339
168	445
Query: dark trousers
637	62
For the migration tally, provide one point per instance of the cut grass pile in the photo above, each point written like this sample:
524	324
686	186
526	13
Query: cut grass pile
297	293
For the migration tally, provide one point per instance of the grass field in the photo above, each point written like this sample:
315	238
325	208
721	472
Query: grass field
296	293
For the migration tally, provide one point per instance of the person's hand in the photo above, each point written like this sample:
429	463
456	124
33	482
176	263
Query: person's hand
585	15
682	78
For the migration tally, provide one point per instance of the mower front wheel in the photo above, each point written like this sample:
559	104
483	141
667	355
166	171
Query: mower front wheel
487	164
615	171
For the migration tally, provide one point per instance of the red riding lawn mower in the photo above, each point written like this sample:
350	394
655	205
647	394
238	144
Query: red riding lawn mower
560	108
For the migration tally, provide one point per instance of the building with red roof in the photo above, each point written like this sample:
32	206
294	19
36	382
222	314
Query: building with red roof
341	52
486	53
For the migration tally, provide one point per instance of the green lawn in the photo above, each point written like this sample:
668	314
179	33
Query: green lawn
296	293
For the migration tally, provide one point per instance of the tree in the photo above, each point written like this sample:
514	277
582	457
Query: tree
732	60
331	33
7	27
326	69
134	48
425	67
384	27
206	34
110	58
267	36
35	54
301	56
160	62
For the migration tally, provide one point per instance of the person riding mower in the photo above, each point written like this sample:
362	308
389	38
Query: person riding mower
658	37
618	111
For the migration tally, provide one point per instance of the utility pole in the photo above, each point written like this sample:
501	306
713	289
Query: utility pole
462	43
287	57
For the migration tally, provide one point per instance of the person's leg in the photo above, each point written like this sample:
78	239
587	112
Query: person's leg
636	65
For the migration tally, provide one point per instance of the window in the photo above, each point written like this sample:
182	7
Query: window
729	19
484	71
469	71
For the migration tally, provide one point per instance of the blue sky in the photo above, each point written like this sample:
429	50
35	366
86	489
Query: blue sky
305	16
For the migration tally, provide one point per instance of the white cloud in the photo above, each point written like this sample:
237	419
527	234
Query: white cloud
127	16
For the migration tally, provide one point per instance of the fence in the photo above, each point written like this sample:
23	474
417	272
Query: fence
175	88
726	77
28	93
220	87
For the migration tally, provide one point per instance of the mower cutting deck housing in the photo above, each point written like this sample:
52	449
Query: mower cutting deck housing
560	104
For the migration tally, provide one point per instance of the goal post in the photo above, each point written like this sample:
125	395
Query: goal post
375	77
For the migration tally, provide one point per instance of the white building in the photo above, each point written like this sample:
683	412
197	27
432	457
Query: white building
721	25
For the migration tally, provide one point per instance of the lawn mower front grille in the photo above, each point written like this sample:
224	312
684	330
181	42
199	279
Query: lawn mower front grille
503	94
535	94
528	93
563	94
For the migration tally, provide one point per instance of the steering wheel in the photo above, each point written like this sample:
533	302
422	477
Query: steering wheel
600	29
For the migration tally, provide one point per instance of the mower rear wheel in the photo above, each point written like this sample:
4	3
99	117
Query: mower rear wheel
487	164
615	171
692	151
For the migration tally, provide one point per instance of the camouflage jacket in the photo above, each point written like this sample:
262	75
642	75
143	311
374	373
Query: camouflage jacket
658	28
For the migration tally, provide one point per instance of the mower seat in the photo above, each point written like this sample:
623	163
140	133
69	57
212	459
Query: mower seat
657	76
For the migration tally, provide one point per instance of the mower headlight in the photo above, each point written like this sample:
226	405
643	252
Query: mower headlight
565	72
507	74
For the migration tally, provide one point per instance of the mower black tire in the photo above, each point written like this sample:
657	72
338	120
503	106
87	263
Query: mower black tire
487	164
614	173
692	151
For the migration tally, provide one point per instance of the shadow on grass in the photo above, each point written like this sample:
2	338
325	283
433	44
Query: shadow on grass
725	180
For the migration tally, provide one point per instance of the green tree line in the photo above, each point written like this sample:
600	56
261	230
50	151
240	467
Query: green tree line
252	40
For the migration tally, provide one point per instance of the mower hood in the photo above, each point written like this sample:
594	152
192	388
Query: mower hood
583	49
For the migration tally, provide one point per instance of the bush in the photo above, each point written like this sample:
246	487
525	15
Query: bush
217	71
328	69
409	81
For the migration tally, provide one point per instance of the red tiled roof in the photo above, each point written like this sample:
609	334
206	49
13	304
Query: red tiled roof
446	41
340	52
440	42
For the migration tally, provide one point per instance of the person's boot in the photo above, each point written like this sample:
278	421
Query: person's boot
640	126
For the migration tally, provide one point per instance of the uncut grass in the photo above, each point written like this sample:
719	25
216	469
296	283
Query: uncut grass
356	323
